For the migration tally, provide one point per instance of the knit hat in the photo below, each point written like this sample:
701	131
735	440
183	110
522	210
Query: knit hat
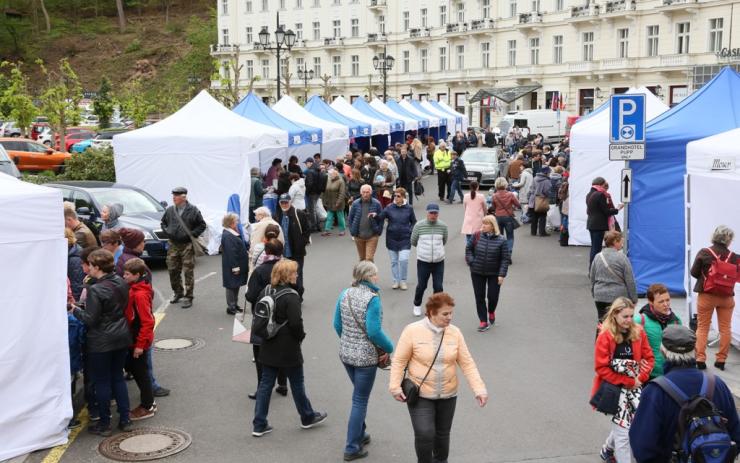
678	339
131	237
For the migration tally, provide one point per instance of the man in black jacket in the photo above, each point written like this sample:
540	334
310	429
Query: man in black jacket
296	232
489	139
313	192
407	173
182	222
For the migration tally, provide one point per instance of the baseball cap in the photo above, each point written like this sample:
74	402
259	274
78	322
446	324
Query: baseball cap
284	198
308	161
432	207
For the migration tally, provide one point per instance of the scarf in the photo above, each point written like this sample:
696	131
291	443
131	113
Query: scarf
662	319
612	220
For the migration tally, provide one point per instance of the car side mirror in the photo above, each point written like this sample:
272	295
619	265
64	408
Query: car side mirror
163	203
83	210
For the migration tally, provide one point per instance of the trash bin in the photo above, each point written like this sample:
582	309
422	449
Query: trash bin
269	200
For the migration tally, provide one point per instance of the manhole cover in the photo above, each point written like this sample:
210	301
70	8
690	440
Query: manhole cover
178	344
144	444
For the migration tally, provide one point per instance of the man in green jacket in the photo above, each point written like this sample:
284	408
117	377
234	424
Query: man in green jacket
655	316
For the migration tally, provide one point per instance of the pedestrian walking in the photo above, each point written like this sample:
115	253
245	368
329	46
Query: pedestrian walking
183	223
457	175
611	275
655	317
110	240
294	224
133	247
711	266
474	209
442	162
657	421
419	357
297	191
353	186
363	226
333	199
110	214
515	168
358	321
313	183
408	172
83	236
108	340
273	173
383	183
283	351
504	203
431	148
234	262
523	185
539	202
622	358
601	214
487	255
258	234
429	236
75	274
294	167
256	192
401	220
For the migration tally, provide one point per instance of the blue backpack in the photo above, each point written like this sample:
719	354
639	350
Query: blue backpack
701	436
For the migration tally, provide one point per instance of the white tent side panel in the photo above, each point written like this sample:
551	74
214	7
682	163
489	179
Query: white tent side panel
35	399
449	108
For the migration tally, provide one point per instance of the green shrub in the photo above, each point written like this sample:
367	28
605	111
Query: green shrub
93	164
134	46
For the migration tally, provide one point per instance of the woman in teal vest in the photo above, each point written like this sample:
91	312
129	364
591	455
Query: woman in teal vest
655	316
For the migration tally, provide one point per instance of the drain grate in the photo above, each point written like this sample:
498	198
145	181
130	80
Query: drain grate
145	444
178	344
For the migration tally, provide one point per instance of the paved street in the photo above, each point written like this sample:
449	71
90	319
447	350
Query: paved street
536	362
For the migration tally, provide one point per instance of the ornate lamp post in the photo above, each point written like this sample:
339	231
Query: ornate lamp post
284	40
383	63
305	76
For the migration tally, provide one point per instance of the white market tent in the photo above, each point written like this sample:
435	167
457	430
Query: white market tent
712	189
589	158
335	141
409	123
377	127
204	147
433	121
449	109
451	120
35	398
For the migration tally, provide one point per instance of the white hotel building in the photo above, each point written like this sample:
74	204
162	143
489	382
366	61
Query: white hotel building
449	49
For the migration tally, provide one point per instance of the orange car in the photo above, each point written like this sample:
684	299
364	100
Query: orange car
30	155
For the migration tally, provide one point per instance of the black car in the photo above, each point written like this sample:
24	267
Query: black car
140	210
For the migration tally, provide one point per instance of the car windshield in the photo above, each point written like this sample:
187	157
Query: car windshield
133	201
479	156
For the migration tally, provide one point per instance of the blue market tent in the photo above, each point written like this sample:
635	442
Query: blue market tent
358	130
442	128
423	122
396	125
657	238
458	117
253	108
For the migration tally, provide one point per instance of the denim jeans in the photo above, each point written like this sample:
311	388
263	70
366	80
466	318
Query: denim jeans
362	379
107	371
399	264
485	286
432	422
455	187
506	224
423	271
150	369
297	389
597	241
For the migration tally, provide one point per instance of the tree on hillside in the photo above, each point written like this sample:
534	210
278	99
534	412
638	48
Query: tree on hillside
134	104
103	104
15	98
121	16
46	15
61	96
229	79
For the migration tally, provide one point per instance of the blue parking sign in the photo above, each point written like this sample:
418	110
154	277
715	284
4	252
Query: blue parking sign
627	119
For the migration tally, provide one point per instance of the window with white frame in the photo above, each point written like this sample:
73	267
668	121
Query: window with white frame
248	6
249	66
442	15
406	21
512	52
317	66
249	36
486	9
424	59
588	46
226	66
512	8
460	12
559	5
355	23
652	40
284	64
282	4
300	63
557	49
317	3
682	37
381	24
298	4
224	6
535	6
265	5
406	61
225	36
485	54
337	27
442	58
623	42
716	26
355	59
317	30
336	66
424	20
299	31
460	52
534	50
265	69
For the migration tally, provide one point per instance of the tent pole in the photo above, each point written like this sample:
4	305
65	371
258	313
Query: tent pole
626	217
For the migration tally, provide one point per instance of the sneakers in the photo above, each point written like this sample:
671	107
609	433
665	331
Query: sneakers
186	303
607	454
73	424
176	298
362	453
483	327
318	418
141	413
266	430
417	311
395	285
93	415
365	440
125	426
403	285
491	317
161	392
100	430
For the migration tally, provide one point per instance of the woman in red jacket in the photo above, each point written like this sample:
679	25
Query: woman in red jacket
141	322
622	357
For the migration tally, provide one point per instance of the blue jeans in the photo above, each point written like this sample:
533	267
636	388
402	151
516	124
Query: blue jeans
423	271
362	379
455	187
506	224
399	264
297	389
150	369
597	241
107	371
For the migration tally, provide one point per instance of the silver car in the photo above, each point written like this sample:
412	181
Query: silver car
481	165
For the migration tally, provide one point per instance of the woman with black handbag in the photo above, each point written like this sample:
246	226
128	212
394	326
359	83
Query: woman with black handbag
623	361
424	375
363	348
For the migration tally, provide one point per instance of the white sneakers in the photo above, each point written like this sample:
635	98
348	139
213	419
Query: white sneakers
417	311
395	285
403	286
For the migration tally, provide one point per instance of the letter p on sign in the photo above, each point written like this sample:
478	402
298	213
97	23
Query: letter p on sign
627	119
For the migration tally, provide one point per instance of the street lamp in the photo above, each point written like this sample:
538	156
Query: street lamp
305	76
383	64
284	40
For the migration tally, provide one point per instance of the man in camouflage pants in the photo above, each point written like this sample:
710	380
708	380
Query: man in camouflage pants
182	222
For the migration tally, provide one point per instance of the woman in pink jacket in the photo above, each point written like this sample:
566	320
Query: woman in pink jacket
474	205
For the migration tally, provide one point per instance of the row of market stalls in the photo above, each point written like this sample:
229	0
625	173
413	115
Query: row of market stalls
688	184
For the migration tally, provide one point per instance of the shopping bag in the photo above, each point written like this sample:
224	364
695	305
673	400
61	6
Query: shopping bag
553	217
320	210
240	333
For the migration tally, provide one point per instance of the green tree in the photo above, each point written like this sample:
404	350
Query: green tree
15	98
103	104
61	96
134	103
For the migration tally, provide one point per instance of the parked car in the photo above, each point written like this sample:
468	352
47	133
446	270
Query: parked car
104	138
6	164
37	128
544	121
482	166
140	210
81	146
30	155
90	120
76	135
10	129
45	137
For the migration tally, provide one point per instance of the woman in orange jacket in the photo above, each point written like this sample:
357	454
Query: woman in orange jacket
622	357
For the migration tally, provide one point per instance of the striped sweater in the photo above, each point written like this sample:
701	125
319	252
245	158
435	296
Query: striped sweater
430	239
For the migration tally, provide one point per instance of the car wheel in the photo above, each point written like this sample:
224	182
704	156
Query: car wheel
15	135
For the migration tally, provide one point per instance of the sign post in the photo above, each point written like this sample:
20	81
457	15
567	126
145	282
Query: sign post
627	121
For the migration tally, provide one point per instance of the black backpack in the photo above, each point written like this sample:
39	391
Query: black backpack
701	436
418	188
264	326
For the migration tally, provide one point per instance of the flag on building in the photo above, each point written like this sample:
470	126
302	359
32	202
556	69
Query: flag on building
555	103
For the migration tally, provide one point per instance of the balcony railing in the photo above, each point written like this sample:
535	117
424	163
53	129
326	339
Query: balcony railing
419	33
674	60
371	38
530	18
582	66
333	41
616	63
217	49
584	11
677	2
457	27
481	24
377	3
524	70
619	5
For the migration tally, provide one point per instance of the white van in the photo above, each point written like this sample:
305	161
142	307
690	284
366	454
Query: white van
544	121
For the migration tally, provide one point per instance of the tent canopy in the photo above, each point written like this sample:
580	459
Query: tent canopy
715	155
408	122
252	107
320	109
395	107
589	158
289	108
445	107
505	94
409	108
451	120
377	126
396	125
440	120
657	235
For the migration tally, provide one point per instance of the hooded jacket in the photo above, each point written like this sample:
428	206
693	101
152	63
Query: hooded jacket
524	185
333	196
115	211
139	314
542	186
103	315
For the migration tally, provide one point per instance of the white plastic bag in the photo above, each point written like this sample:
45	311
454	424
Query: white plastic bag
553	217
320	211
